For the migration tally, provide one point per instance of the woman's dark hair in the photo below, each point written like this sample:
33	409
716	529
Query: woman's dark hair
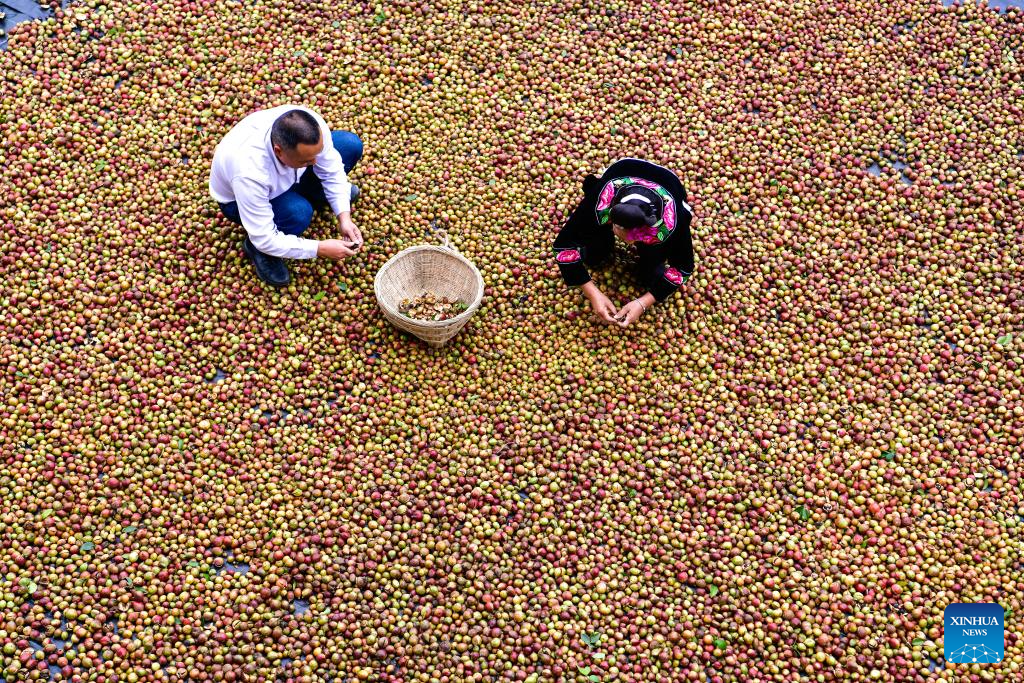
632	215
294	128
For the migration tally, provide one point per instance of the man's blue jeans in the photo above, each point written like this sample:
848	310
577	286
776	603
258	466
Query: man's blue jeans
293	210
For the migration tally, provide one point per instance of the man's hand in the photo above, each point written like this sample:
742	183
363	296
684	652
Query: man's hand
348	229
334	249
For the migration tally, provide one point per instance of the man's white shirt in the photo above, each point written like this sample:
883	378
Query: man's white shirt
246	170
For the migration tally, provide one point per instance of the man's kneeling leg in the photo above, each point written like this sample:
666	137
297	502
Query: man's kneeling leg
292	213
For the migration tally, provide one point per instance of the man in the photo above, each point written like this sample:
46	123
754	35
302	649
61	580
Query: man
259	179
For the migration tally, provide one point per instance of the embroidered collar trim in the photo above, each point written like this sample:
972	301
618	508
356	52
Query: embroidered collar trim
646	234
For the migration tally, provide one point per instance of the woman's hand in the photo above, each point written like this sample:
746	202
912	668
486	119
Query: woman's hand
631	312
602	305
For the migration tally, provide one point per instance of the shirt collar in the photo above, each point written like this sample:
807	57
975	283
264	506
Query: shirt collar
281	168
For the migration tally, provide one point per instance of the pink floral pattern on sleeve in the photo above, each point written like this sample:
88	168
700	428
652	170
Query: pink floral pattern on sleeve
568	256
673	276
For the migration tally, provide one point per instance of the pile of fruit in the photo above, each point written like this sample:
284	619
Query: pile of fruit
431	307
787	471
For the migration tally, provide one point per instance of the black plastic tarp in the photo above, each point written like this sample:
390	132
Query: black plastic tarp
17	11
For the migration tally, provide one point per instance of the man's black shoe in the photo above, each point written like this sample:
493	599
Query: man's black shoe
354	194
270	269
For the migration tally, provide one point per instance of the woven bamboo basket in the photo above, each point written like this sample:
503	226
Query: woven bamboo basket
438	269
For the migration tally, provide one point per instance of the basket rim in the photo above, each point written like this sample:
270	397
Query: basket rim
430	324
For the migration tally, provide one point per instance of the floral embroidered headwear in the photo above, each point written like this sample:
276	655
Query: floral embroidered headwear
640	192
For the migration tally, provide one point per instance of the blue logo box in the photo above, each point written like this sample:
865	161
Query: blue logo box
973	633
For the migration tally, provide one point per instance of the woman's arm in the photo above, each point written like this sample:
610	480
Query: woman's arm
665	270
680	248
578	237
573	239
568	248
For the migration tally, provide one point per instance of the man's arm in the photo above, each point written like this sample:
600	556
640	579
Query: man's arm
330	169
258	219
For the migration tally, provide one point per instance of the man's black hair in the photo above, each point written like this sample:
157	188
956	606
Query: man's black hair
294	128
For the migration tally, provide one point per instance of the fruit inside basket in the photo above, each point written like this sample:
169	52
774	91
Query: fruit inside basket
428	306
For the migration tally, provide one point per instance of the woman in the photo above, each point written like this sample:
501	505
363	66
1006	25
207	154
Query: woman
642	204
